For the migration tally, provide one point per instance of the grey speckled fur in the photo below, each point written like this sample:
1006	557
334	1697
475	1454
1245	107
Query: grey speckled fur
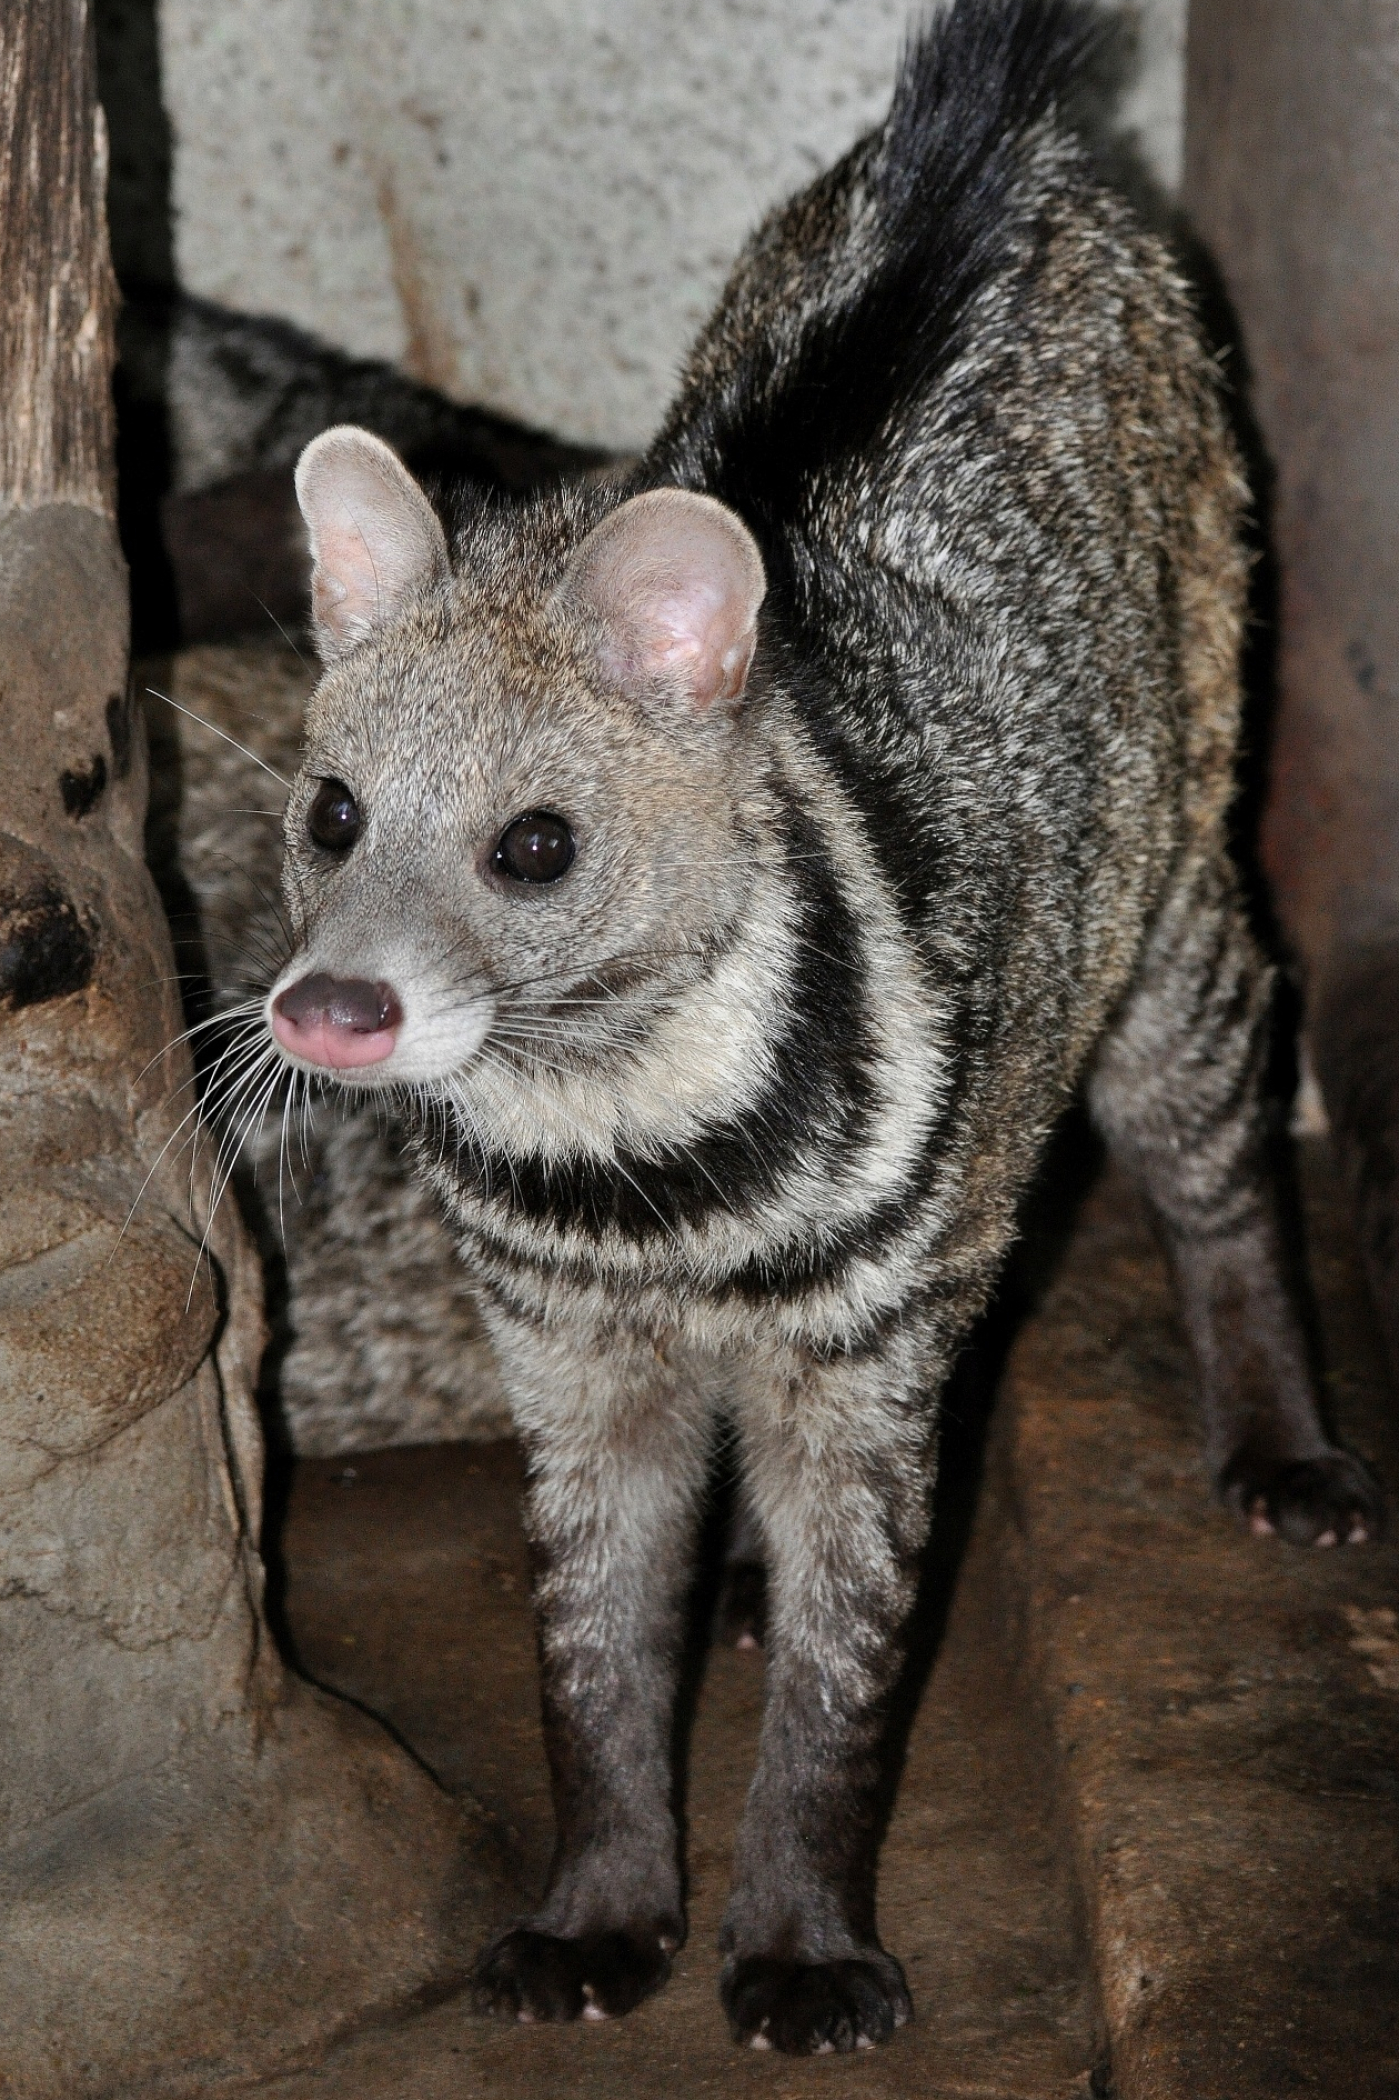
377	1339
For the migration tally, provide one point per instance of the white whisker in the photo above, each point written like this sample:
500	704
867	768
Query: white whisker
215	731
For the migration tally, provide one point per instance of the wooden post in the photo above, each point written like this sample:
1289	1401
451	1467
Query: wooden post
200	1857
56	435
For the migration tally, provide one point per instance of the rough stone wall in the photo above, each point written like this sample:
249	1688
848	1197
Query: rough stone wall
531	205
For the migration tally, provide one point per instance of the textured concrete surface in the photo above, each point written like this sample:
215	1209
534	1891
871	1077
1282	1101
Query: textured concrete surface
531	205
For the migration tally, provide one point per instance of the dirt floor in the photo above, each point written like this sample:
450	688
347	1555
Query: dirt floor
1143	1842
1225	1708
972	1897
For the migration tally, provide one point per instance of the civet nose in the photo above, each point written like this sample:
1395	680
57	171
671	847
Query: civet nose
337	1021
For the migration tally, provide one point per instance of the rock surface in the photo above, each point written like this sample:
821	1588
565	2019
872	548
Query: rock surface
185	1830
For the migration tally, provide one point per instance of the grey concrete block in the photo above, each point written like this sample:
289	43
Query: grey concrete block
531	205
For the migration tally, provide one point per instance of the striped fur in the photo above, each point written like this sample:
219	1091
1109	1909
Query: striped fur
734	1122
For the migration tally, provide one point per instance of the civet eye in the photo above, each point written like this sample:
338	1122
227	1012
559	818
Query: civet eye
535	848
333	818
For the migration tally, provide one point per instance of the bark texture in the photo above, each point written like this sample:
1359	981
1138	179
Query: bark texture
56	428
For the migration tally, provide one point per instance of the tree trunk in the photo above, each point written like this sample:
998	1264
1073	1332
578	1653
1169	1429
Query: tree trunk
200	1857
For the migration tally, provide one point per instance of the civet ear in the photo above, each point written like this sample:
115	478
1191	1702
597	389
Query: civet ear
675	581
375	538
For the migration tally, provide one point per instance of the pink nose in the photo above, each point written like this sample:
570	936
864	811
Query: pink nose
337	1021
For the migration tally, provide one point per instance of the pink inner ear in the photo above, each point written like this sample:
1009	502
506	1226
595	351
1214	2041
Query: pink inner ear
374	536
677	581
691	629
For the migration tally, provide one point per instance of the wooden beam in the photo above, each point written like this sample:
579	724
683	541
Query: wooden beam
56	315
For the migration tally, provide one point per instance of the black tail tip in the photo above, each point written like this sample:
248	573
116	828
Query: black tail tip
1000	66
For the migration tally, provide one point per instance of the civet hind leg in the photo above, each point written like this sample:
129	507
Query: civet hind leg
1178	1090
